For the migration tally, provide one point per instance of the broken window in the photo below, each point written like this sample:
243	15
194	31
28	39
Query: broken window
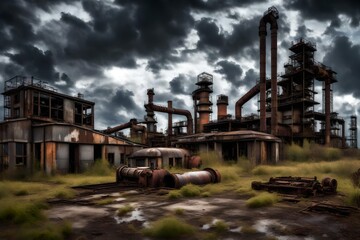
111	158
20	159
57	108
44	105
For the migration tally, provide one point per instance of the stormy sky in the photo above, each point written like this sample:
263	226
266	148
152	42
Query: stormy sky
113	50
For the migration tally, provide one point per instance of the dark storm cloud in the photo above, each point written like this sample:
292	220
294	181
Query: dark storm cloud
231	71
179	84
324	10
35	62
344	58
213	38
108	104
250	78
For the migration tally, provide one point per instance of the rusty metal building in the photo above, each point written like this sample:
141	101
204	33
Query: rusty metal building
53	132
257	147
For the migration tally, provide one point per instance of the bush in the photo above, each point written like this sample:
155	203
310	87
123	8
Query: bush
354	198
169	227
100	167
262	200
296	153
221	226
124	210
190	190
174	194
18	213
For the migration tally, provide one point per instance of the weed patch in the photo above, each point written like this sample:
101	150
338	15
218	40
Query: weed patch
262	200
169	227
124	210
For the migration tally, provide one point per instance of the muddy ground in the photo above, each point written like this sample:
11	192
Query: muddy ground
284	220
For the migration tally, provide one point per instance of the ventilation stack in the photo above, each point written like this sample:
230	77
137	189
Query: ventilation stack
150	115
353	132
222	103
202	104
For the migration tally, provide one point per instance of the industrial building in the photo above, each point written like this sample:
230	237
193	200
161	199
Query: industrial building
49	131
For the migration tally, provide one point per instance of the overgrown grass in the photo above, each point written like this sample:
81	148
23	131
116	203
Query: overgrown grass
262	200
100	167
18	213
220	226
169	227
47	231
124	210
311	151
354	197
188	190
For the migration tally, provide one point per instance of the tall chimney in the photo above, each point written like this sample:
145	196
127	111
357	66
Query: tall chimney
222	103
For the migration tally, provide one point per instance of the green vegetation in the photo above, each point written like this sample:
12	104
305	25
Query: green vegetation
354	197
23	199
169	227
101	167
221	226
124	210
179	211
264	199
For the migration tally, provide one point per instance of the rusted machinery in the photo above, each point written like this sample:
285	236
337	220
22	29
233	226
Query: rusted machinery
297	185
208	175
143	176
146	177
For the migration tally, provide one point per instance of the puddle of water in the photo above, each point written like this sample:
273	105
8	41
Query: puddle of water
136	215
236	230
192	205
264	225
78	215
120	199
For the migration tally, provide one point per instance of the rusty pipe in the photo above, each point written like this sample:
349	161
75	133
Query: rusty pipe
169	119
270	17
183	112
247	96
121	126
144	177
208	175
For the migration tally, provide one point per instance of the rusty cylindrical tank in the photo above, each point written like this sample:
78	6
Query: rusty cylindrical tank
208	175
193	162
144	177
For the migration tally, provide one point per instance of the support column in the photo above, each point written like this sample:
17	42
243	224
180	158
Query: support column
327	112
169	119
262	79
274	100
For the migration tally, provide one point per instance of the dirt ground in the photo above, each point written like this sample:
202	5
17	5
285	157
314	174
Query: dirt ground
284	220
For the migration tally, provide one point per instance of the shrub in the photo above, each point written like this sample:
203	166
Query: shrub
296	153
354	198
179	211
174	194
100	167
169	227
124	210
262	200
190	190
15	212
221	226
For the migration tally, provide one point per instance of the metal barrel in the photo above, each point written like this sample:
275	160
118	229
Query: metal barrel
126	173
329	184
208	175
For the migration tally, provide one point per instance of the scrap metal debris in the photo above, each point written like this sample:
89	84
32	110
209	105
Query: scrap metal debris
339	210
302	186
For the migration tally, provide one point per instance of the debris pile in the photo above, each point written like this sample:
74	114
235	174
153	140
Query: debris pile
302	186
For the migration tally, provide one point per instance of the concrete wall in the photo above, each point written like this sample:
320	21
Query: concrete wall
62	157
69	108
86	156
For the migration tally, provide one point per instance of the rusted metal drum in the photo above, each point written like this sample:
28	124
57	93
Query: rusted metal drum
145	177
329	184
208	175
193	162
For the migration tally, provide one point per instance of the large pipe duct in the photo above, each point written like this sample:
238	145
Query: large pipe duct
208	175
144	177
270	16
186	113
247	96
121	126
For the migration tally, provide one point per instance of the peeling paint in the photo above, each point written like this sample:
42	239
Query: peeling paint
73	135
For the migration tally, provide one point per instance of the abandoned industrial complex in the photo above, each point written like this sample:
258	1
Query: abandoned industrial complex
49	131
